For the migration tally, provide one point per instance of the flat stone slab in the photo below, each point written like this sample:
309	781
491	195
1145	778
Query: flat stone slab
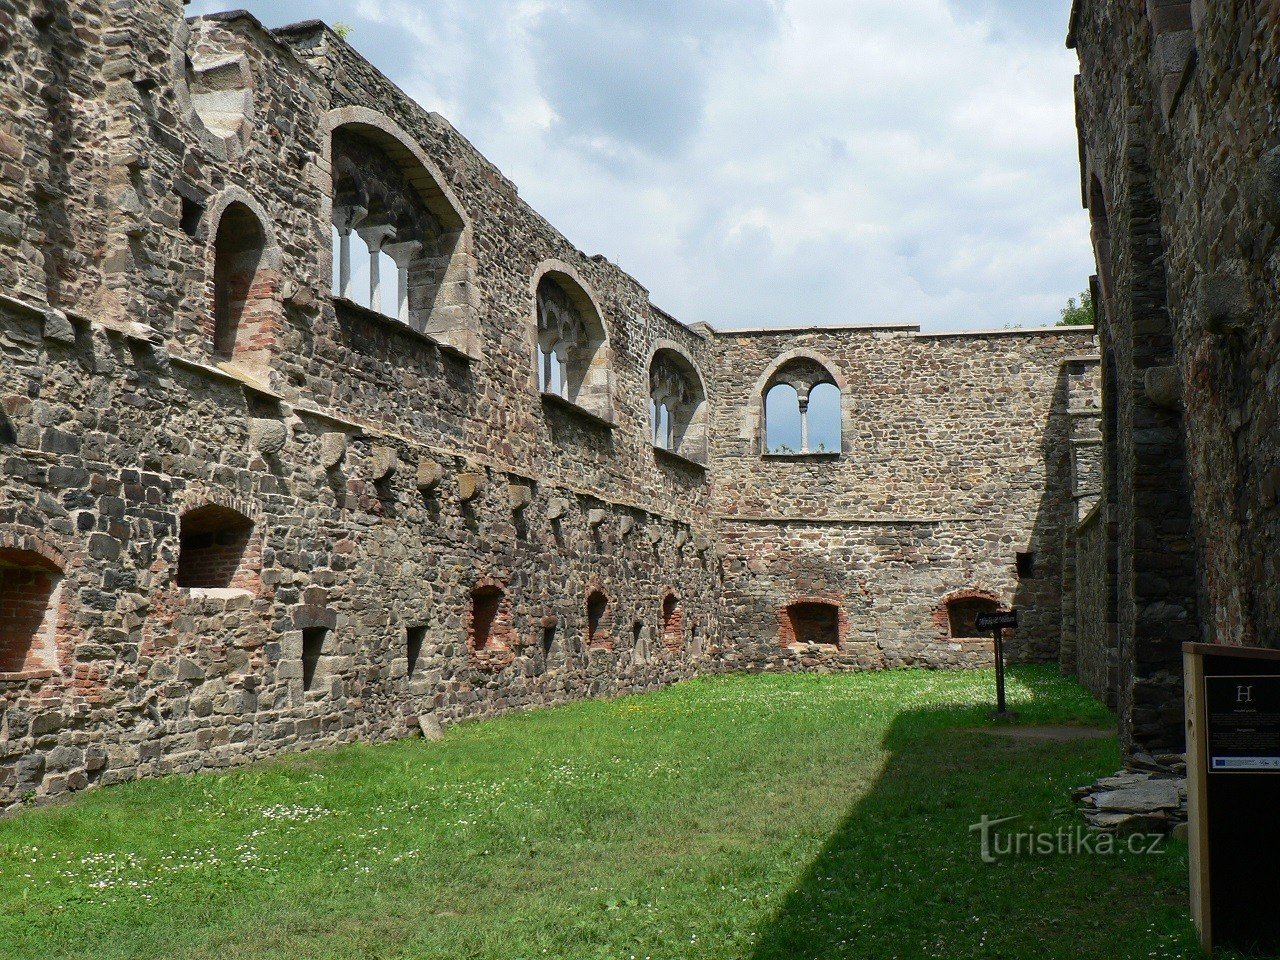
1051	734
1142	798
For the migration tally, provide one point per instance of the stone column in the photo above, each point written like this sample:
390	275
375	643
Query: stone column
345	219
402	253
375	237
804	421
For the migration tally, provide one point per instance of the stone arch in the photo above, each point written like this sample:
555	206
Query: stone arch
676	385
218	549
819	621
491	635
436	292
672	620
1100	236
568	336
33	615
956	613
598	609
802	369
244	262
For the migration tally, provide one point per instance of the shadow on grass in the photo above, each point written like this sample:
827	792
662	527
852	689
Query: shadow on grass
902	876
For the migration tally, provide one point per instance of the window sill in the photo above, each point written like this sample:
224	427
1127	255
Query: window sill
218	593
662	453
377	316
568	406
814	455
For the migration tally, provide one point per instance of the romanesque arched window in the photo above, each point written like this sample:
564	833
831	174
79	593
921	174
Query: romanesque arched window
399	240
802	409
244	289
572	351
677	405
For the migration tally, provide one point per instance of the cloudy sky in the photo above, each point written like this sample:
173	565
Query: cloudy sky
768	162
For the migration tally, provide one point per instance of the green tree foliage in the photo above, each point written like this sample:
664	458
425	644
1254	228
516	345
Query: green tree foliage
1080	315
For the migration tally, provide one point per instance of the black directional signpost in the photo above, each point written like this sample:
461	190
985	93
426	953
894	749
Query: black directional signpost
998	621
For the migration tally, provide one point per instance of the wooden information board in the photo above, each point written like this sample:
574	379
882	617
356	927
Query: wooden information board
1233	792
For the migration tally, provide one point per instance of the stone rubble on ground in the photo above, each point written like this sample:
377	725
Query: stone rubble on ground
1149	796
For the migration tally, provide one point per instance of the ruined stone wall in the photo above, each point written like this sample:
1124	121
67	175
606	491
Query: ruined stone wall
386	518
1095	661
954	457
386	476
1177	118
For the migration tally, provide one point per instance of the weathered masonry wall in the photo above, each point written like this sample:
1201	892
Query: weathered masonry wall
954	457
1176	111
312	431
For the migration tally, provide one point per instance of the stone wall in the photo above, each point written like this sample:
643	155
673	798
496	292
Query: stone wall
954	458
1094	663
1176	112
265	516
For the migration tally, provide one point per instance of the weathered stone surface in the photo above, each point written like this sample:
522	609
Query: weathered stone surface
383	461
214	558
429	724
520	496
268	436
429	474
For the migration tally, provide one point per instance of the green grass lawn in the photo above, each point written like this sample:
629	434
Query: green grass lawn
763	817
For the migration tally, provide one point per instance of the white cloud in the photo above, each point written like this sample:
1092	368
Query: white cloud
760	162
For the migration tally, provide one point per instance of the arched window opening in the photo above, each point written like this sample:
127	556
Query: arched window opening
672	622
243	289
597	609
811	623
782	419
400	246
572	356
802	409
678	405
214	549
962	612
30	593
824	418
490	620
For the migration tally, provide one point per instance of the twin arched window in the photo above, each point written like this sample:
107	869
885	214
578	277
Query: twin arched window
677	405
802	409
400	241
572	355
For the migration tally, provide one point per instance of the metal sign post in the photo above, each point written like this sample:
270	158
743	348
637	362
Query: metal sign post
997	622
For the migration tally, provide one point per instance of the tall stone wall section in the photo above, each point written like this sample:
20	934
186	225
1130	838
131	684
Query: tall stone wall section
342	522
955	457
1176	106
